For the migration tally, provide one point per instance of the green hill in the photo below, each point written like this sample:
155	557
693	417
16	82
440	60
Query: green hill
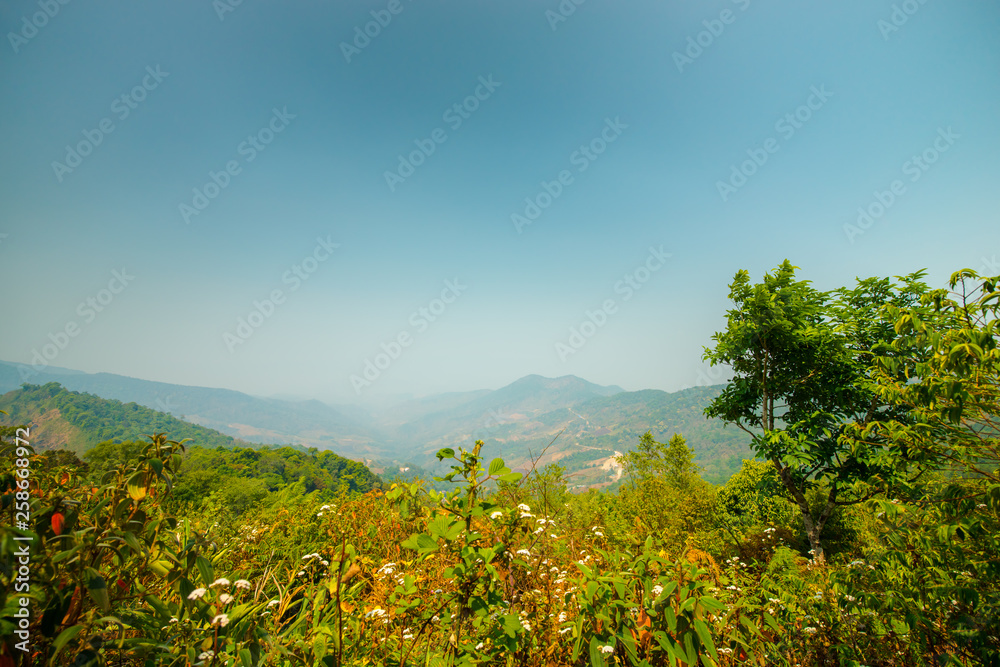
62	419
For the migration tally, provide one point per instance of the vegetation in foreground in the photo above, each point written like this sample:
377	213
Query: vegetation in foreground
867	534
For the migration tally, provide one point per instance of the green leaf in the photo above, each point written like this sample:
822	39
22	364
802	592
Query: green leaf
510	477
205	569
64	637
496	465
706	637
446	453
247	658
596	657
421	543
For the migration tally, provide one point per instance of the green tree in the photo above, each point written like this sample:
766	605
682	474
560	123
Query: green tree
801	361
664	495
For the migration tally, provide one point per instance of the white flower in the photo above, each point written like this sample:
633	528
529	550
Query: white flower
809	631
526	625
273	603
565	630
496	515
607	649
225	598
378	612
657	589
325	507
207	655
388	568
197	593
479	646
244	584
523	552
526	515
725	651
319	514
523	508
219	582
598	533
221	620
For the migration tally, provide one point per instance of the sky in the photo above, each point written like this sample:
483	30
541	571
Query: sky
352	201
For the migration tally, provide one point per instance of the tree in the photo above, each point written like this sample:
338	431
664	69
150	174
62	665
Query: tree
664	495
801	360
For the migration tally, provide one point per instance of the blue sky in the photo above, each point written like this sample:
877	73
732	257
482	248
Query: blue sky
642	109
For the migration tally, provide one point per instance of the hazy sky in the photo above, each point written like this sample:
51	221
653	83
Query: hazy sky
507	167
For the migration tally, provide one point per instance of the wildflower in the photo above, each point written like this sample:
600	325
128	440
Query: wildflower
523	508
325	507
526	625
378	612
607	649
221	620
523	552
598	533
207	655
526	515
197	593
173	620
479	646
562	617
496	515
565	630
387	569
243	583
725	651
809	631
219	582
325	563
272	603
225	598
657	589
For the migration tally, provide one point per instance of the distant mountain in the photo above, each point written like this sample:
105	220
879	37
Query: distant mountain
62	419
262	420
585	423
584	435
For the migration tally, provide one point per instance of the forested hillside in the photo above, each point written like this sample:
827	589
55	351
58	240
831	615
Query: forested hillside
868	533
78	421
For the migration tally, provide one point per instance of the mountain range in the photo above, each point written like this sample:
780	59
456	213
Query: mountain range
578	424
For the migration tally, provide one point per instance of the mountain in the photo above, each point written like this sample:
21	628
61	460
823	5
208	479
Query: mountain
581	424
261	420
585	435
62	419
